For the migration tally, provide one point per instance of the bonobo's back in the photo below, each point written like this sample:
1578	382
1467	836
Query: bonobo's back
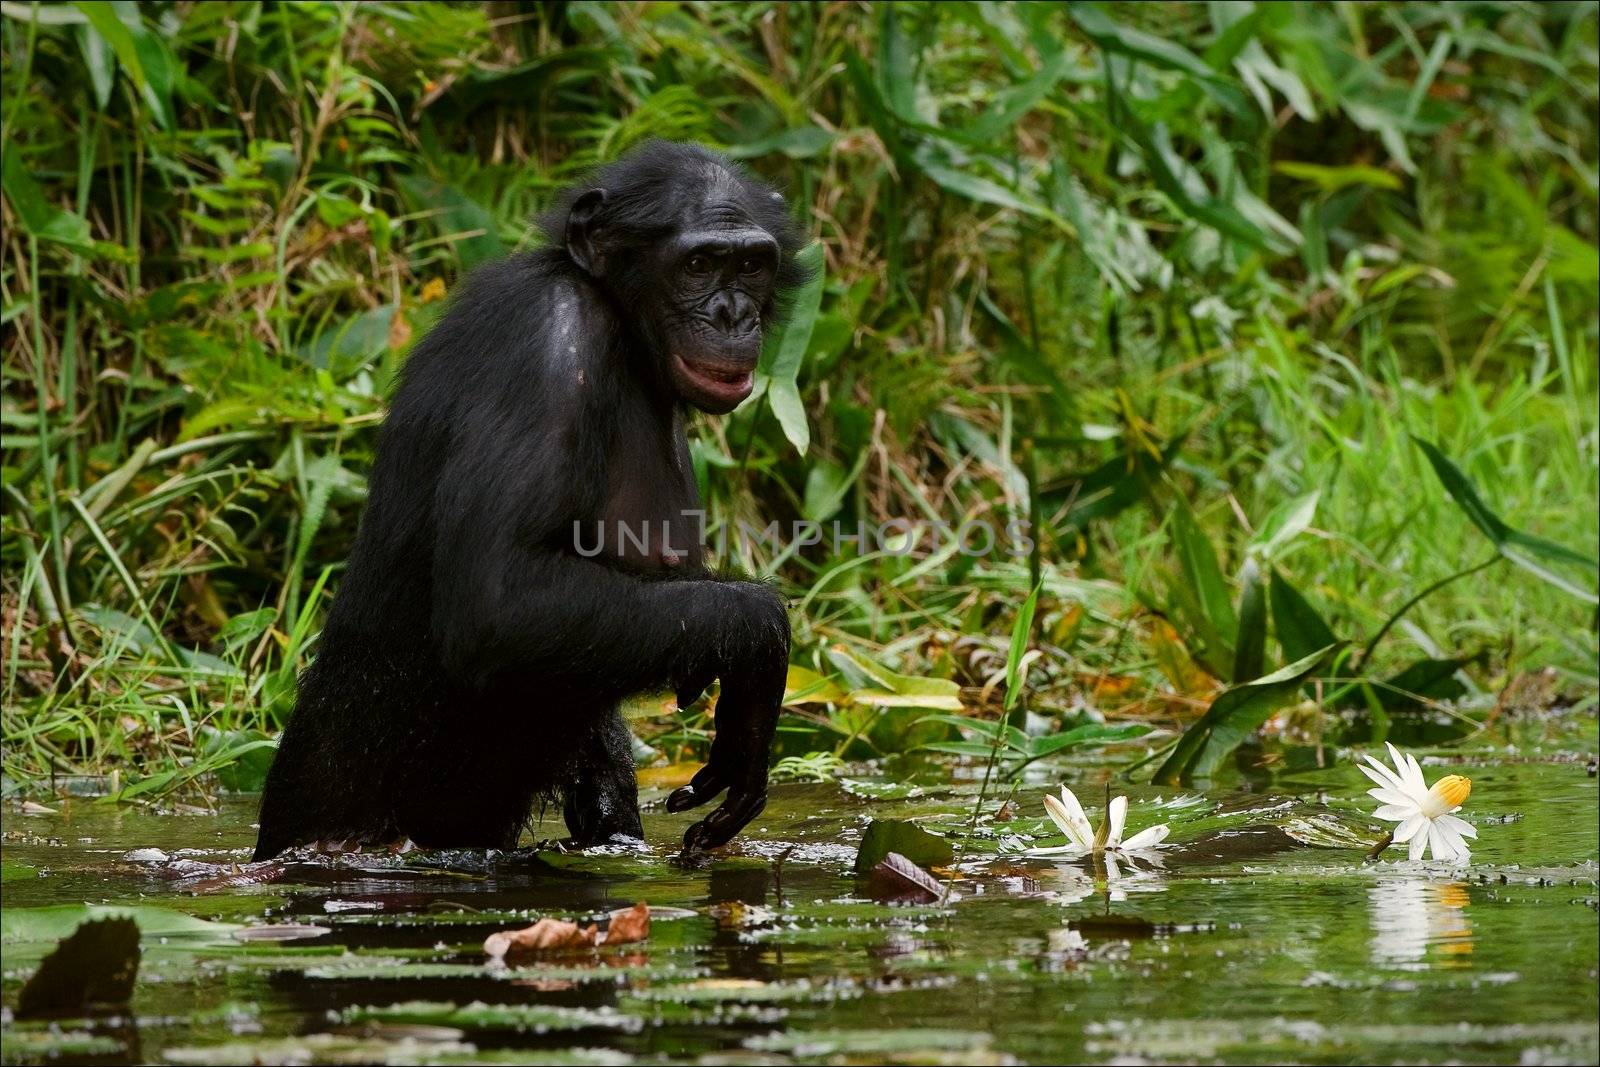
475	359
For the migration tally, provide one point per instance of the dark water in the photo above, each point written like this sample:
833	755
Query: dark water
1262	936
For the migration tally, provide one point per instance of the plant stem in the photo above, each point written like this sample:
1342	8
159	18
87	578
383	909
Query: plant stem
1366	653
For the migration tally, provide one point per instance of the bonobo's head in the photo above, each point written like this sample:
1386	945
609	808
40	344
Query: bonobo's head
696	256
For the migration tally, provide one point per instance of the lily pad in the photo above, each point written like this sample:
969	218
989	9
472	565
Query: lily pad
900	1042
22	926
522	1018
884	836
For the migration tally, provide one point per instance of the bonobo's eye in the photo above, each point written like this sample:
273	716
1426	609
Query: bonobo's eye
698	264
752	267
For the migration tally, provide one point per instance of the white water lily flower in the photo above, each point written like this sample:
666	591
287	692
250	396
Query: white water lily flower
1426	816
1068	814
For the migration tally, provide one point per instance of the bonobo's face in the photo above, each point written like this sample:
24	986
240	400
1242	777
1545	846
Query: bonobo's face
694	254
717	279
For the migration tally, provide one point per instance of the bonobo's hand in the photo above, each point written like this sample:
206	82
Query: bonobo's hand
753	651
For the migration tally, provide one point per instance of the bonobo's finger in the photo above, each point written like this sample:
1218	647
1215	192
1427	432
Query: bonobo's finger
721	825
707	782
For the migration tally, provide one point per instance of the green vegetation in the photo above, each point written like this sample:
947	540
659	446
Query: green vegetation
1272	319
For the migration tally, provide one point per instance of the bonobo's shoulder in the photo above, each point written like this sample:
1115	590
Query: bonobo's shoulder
541	299
520	322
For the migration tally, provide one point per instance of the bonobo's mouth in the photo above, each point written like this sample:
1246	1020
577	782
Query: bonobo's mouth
712	385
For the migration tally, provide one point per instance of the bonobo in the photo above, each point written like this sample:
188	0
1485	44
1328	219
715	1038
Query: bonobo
530	551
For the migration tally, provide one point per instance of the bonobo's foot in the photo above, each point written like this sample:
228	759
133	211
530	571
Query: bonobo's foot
615	841
602	819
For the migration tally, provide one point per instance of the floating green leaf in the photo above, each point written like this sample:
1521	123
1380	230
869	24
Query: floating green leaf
884	836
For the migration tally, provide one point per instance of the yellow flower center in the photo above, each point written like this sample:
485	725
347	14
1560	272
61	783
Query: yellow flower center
1452	790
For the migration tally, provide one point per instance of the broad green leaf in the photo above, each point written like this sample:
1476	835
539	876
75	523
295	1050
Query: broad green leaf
1205	581
874	685
1233	716
897	67
1301	631
876	109
788	349
1427	679
1093	733
101	60
1250	647
801	142
467	224
884	836
1286	522
1497	530
143	55
103	20
826	486
1464	493
1021	631
37	215
1013	103
1125	40
347	346
979	189
242	759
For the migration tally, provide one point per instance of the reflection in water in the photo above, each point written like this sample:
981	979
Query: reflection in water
1409	915
1106	873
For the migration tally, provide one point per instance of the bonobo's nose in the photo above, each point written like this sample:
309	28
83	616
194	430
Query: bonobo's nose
734	313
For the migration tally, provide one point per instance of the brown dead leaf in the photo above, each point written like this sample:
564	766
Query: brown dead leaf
550	936
1173	658
629	925
399	330
896	878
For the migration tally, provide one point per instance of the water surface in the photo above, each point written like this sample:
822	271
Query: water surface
1262	936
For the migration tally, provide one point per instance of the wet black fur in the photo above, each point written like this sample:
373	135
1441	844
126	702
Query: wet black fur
472	663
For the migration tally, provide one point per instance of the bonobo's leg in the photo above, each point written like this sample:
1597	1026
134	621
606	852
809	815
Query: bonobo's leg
746	719
603	800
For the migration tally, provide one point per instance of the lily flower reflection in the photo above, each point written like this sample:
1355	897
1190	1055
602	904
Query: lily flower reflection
1410	915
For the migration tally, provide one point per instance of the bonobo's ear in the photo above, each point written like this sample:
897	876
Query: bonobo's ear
581	244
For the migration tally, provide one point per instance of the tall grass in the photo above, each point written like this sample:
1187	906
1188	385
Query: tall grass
1215	254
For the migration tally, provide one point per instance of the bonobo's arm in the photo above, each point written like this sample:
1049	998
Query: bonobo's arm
509	596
